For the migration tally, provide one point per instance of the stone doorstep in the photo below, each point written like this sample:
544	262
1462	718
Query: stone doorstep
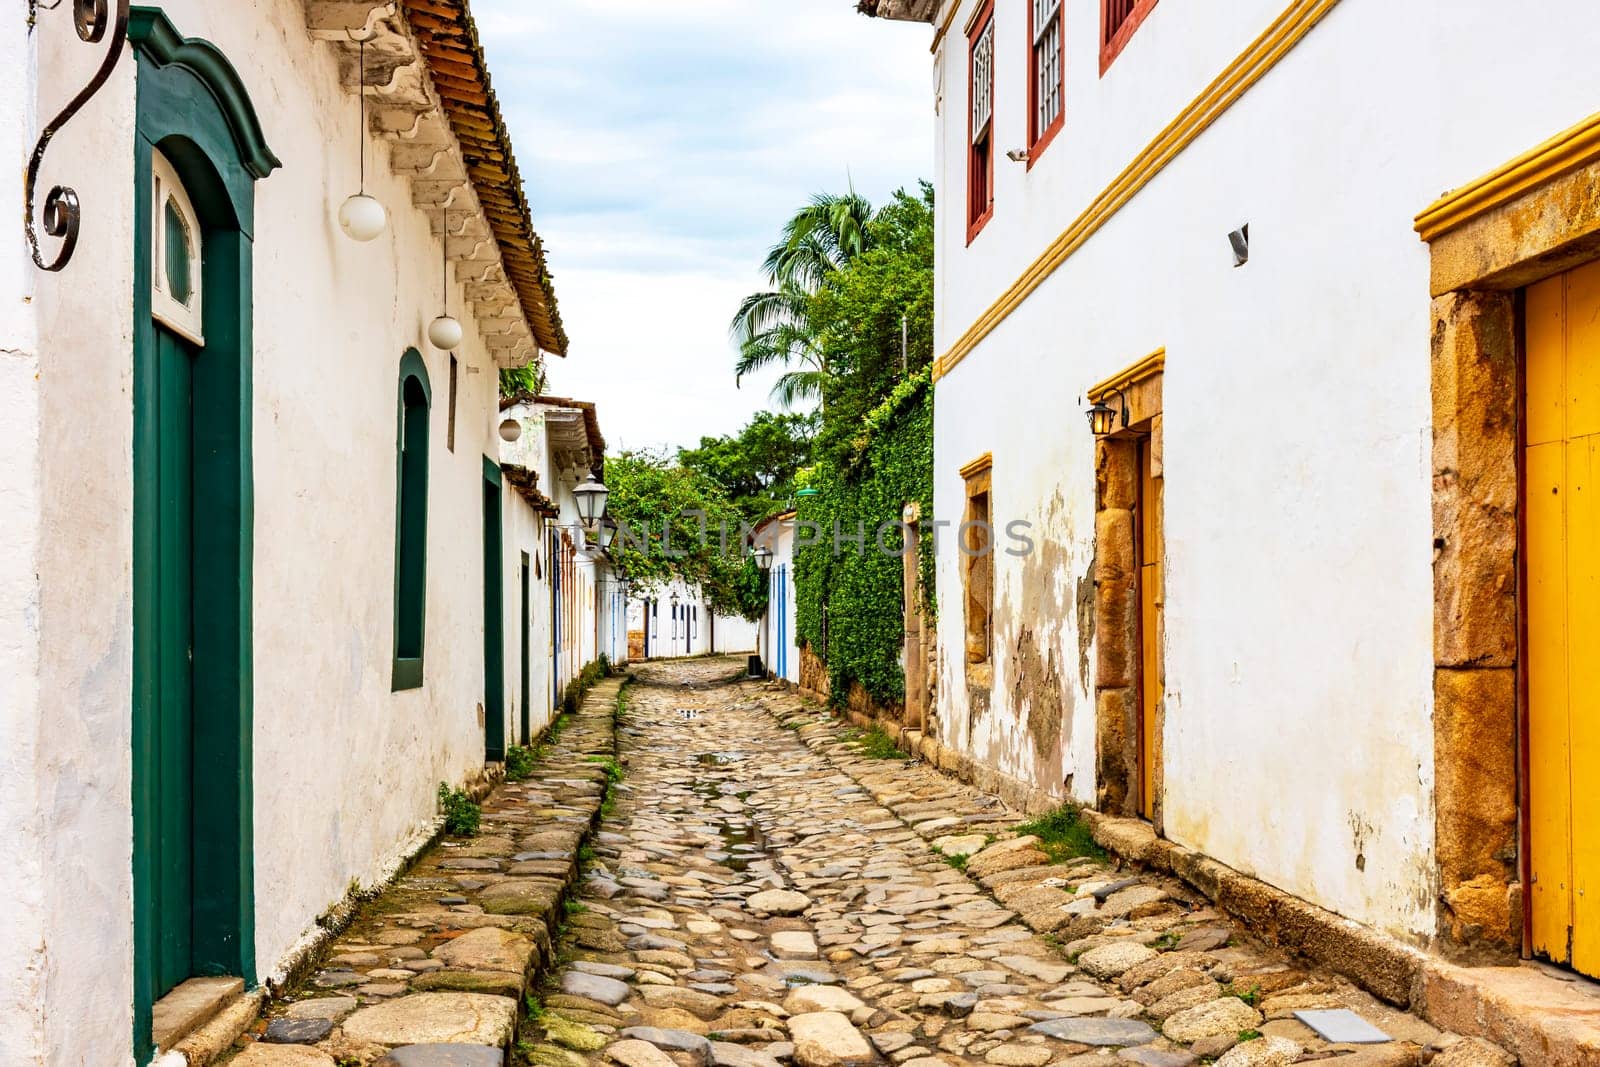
1545	1019
216	1037
189	1007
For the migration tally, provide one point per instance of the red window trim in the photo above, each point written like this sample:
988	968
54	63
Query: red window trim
1037	143
1110	50
975	226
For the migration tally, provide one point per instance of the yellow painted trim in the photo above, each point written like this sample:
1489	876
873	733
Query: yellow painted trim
978	466
1145	369
1250	67
972	19
938	38
1566	151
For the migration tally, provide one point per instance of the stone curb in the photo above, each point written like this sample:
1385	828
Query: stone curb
445	953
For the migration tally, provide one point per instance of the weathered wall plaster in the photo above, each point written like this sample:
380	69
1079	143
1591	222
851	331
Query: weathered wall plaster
1299	681
345	769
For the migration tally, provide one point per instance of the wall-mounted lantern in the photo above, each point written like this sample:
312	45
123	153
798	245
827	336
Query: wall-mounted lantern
763	556
511	431
1102	419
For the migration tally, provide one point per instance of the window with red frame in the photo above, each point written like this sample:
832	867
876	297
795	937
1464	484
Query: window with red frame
1119	19
1046	87
980	155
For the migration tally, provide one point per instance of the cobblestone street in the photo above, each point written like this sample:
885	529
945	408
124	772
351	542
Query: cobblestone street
722	875
753	903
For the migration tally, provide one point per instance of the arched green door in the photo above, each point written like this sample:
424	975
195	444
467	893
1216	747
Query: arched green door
198	152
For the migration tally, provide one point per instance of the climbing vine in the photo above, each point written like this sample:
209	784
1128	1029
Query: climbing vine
849	595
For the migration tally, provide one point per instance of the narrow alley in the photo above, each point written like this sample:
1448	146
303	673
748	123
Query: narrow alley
758	886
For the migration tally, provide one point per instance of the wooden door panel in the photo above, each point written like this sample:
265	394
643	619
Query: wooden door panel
1545	332
1561	516
1583	691
1582	321
174	729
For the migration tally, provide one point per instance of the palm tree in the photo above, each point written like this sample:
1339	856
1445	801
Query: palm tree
772	328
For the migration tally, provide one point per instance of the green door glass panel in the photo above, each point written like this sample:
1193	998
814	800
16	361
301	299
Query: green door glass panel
174	589
180	254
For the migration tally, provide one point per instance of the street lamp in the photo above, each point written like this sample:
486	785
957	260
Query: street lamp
608	532
763	556
591	497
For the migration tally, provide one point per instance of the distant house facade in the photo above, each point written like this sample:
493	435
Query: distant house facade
255	598
1310	595
677	621
778	643
578	599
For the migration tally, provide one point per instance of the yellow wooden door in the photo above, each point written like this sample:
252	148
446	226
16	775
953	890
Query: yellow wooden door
1150	600
1562	518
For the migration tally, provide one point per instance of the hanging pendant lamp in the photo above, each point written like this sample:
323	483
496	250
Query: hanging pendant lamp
445	332
361	217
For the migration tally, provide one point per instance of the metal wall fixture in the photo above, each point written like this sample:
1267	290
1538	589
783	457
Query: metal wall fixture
63	212
1240	241
1102	419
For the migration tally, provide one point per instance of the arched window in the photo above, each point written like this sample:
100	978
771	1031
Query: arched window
411	523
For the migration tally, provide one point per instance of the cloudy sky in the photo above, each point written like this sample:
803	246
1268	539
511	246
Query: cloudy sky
663	145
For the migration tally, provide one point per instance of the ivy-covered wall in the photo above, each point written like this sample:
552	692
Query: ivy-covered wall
849	598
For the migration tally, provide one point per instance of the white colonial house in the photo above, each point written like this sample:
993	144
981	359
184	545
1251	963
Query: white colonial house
574	600
677	621
258	591
1315	593
777	642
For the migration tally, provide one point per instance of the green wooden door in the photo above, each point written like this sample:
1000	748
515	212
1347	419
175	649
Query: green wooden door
527	656
494	641
173	865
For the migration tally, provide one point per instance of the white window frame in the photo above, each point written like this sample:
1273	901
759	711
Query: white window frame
1046	17
186	320
983	83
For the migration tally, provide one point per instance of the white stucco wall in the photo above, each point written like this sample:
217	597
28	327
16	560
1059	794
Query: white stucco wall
22	921
344	769
1297	431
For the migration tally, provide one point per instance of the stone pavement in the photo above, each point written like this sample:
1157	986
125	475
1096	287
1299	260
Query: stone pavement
764	894
432	972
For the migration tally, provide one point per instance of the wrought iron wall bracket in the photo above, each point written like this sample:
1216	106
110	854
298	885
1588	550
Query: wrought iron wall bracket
62	213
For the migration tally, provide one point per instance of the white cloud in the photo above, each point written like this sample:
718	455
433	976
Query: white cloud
663	146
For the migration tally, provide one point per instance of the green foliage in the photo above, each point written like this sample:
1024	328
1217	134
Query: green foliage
1063	835
519	763
1249	1035
612	768
660	508
528	381
461	814
1251	996
849	603
756	468
774	328
857	319
577	689
877	744
850	316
